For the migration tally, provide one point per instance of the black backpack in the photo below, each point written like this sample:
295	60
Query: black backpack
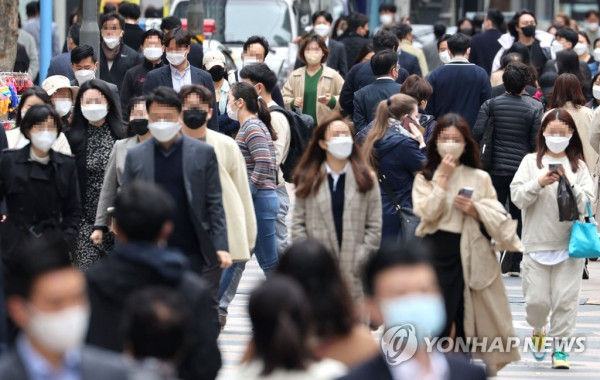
301	129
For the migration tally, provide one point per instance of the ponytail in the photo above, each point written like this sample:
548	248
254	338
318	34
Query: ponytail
287	348
254	104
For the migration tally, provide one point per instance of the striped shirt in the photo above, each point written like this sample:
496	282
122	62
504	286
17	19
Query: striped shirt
258	150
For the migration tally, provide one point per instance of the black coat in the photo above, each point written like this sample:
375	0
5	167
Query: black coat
353	44
132	36
124	61
367	99
484	47
516	123
133	83
336	59
359	76
131	267
25	210
409	62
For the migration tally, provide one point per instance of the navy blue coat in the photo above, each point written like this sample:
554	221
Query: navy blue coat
367	99
162	77
409	62
61	65
484	47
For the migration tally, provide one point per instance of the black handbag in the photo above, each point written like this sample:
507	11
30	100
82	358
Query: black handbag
567	204
488	138
408	220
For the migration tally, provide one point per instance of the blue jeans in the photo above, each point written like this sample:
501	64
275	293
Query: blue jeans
266	207
281	225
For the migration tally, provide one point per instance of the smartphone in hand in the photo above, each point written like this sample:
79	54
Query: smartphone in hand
466	192
555	166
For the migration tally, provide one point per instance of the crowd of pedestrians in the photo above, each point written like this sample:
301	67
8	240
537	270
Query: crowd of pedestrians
141	178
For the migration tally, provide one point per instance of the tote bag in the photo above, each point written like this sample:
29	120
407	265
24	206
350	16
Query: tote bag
584	242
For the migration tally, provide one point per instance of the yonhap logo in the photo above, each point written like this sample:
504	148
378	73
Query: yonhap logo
399	343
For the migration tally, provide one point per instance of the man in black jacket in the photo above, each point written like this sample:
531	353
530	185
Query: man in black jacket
361	75
133	83
115	57
516	121
142	214
133	33
356	36
484	46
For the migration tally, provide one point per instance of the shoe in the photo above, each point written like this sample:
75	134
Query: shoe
559	360
593	259
223	321
506	262
539	343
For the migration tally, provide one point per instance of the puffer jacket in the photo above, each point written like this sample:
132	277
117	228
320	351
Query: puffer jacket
516	123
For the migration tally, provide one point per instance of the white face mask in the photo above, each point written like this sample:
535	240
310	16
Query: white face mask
557	144
233	115
386	19
596	92
597	54
63	106
164	131
322	30
83	76
592	26
59	331
176	59
557	46
249	61
445	57
111	42
43	140
340	147
94	112
580	48
455	149
153	53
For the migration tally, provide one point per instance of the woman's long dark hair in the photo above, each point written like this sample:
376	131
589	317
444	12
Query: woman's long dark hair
574	150
308	175
567	88
567	61
280	319
470	156
31	91
247	92
318	272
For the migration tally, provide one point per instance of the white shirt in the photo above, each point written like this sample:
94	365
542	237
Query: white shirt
180	80
334	175
550	257
412	369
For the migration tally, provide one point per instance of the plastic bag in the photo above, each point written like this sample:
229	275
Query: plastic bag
567	204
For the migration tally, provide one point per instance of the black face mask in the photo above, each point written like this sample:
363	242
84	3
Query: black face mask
194	118
466	31
217	73
528	31
139	126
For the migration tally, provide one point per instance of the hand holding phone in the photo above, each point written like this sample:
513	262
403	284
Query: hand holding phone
466	192
555	166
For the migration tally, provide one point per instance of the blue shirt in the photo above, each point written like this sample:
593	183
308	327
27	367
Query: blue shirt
180	80
38	368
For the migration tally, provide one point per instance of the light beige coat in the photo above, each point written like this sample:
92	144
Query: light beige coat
361	235
330	82
237	200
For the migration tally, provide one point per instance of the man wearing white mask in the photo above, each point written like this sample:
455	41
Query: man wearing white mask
567	39
591	26
47	300
387	16
85	65
402	293
179	72
187	169
133	83
322	21
115	57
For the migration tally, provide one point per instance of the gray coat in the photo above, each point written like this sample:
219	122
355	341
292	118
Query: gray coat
96	364
202	187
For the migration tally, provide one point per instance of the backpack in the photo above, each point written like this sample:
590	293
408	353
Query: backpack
301	129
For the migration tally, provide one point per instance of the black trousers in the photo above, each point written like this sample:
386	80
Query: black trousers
212	275
502	186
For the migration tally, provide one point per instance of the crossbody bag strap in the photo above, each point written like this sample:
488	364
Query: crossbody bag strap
388	191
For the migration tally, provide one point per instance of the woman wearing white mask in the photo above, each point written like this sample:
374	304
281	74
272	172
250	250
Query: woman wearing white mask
38	184
337	199
315	88
595	101
138	130
33	96
458	208
95	128
551	279
582	48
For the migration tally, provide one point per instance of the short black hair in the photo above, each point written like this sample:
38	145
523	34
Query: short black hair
590	13
323	14
74	32
153	12
141	209
439	29
569	35
181	36
165	96
515	77
388	7
459	43
356	20
109	8
38	114
203	93
32	8
256	40
443	38
496	17
130	10
403	30
82	52
260	73
170	22
152	32
392	255
112	16
383	62
133	101
34	258
385	39
156	323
